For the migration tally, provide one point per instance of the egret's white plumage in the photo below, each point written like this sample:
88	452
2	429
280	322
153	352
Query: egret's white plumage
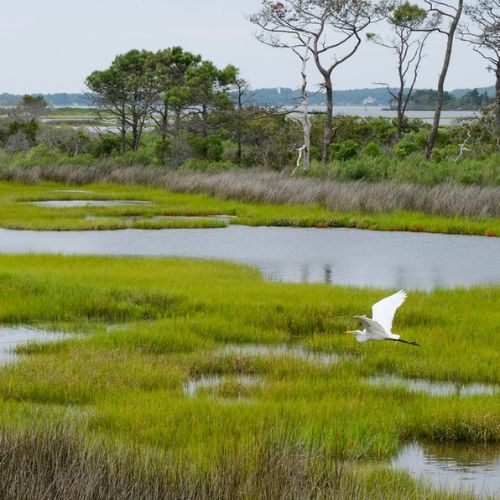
380	326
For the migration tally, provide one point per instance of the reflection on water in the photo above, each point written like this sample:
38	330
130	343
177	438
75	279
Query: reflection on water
339	256
226	219
11	337
277	350
435	388
212	382
328	274
87	203
458	468
81	191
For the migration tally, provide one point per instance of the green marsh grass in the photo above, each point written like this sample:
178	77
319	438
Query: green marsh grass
16	211
149	326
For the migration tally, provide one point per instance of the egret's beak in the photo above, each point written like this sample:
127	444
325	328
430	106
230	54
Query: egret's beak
350	331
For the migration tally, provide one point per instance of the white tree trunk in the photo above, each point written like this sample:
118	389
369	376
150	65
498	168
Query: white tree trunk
305	150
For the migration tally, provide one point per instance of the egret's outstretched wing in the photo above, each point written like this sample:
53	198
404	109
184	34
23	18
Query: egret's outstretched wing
373	328
384	310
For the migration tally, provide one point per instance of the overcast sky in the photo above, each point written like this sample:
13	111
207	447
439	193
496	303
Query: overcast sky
52	45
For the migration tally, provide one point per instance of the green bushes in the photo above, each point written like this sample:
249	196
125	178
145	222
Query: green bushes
363	148
373	150
344	150
106	145
208	148
410	143
413	168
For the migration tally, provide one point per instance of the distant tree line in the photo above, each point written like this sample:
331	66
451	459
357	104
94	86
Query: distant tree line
422	100
276	96
60	99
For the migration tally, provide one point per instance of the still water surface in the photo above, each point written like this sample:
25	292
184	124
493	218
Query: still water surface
457	468
434	388
88	203
13	336
338	256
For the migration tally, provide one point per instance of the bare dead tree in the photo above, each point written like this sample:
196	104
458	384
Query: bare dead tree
281	30
452	13
463	146
305	149
334	28
407	22
483	33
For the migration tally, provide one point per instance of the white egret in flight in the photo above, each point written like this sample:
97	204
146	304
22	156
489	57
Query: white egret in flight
380	326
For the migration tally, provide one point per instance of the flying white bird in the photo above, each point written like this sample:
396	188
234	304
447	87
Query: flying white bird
380	326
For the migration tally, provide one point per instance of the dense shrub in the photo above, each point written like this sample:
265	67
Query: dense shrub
372	149
410	143
208	148
344	150
106	145
269	142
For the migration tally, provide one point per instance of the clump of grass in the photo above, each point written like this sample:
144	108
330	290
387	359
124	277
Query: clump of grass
58	463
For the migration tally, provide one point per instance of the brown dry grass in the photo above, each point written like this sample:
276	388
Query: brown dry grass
56	464
272	187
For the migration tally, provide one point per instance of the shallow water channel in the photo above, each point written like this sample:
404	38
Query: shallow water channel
434	388
13	336
458	468
339	256
88	203
280	350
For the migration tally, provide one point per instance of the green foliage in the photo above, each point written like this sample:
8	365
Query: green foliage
344	150
372	149
162	150
426	100
29	100
366	167
29	129
268	141
106	145
29	108
208	148
410	143
358	129
444	153
408	14
200	165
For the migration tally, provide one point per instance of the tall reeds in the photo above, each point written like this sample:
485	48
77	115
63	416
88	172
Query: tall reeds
273	187
54	462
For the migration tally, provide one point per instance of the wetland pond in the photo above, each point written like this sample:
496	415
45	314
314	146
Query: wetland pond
337	255
89	203
434	388
464	468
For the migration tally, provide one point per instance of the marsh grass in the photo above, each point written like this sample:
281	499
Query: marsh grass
305	430
257	186
170	209
57	463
